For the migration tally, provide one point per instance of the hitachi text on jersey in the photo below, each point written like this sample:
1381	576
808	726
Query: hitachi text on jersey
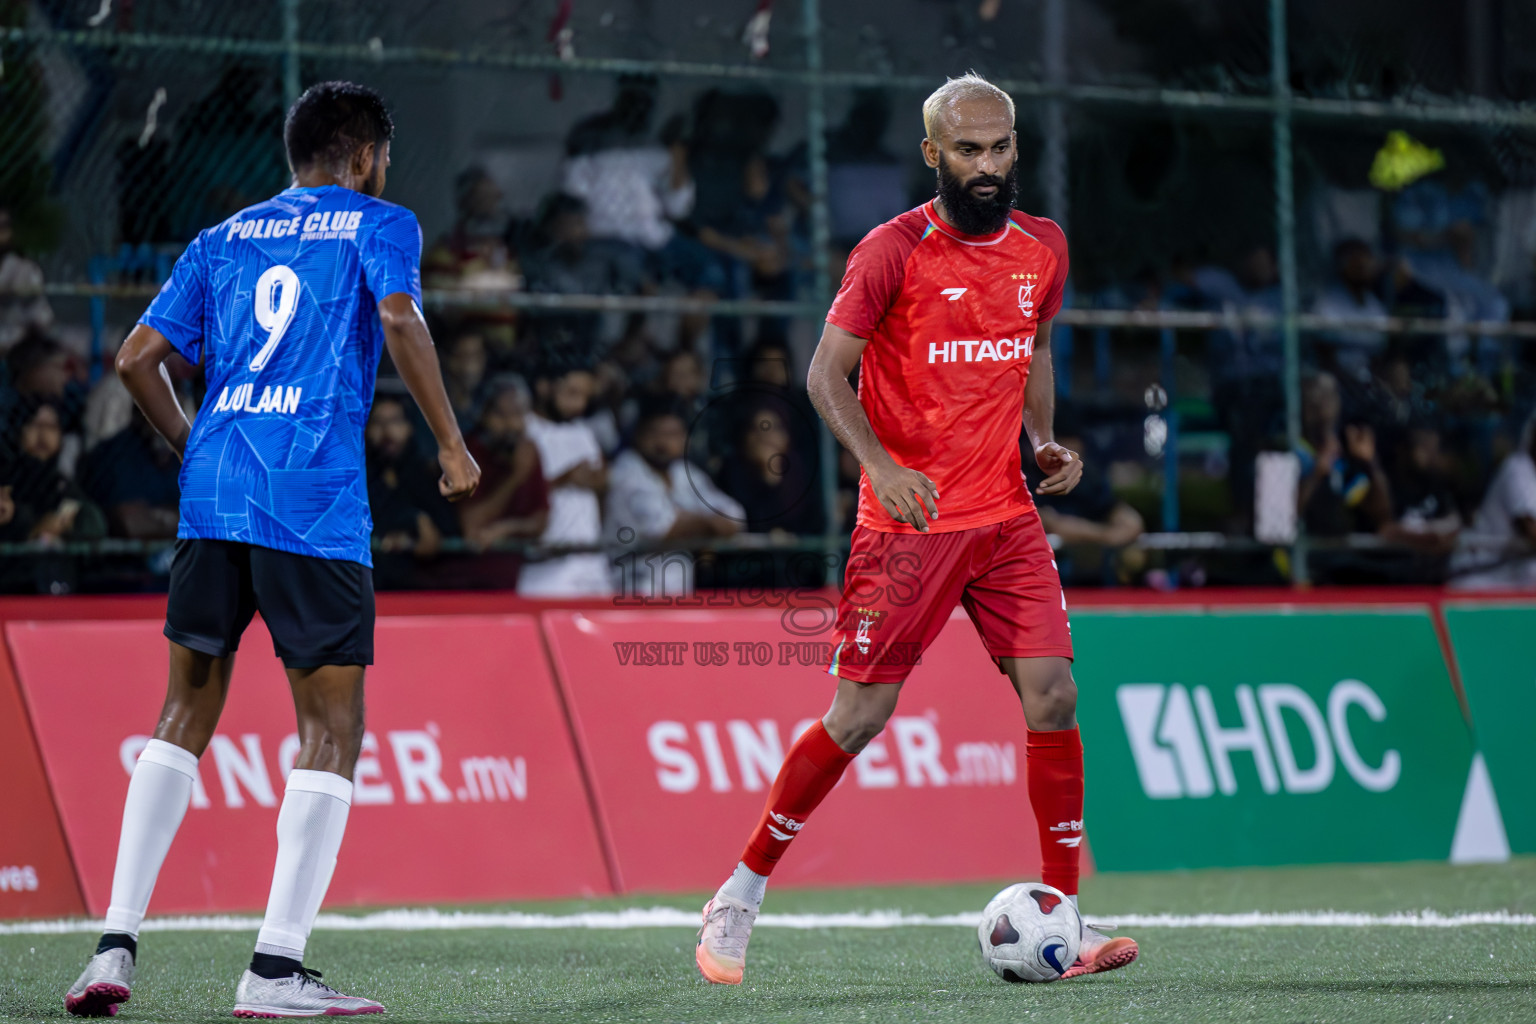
1001	350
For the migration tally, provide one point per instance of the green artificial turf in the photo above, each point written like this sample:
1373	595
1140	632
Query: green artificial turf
1271	974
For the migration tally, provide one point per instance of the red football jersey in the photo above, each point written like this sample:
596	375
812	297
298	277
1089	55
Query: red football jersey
950	319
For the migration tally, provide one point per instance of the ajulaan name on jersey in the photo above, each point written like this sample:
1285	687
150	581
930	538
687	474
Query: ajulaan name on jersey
274	398
327	224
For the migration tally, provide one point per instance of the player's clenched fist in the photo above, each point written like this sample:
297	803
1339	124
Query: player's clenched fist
1062	467
461	474
905	493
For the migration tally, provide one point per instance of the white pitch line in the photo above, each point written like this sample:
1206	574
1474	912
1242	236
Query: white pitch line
671	917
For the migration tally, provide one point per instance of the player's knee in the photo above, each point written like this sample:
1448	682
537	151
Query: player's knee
188	724
188	735
346	731
852	726
1053	703
333	741
856	734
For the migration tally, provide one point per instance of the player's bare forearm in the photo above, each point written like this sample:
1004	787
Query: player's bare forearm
141	368
835	399
1040	391
1062	466
415	357
906	494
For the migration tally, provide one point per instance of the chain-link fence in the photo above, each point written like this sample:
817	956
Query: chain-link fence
1296	343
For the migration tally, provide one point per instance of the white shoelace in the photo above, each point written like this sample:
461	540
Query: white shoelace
735	930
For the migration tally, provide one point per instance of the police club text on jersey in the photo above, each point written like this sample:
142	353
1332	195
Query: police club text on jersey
319	225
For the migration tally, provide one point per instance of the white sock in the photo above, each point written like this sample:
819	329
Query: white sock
746	885
309	830
158	793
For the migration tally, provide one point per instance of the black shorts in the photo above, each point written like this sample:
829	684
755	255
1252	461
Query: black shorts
318	610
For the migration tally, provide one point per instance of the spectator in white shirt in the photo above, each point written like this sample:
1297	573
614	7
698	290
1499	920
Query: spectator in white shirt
23	306
634	186
637	188
573	464
655	495
1498	551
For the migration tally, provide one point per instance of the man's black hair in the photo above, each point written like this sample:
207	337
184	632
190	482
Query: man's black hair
465	181
554	206
658	407
770	349
504	384
561	357
327	124
33	350
380	397
1348	246
23	413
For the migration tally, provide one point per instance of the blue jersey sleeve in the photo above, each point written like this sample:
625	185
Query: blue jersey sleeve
178	311
392	257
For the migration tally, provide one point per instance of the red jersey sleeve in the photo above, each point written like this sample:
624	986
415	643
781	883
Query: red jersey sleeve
876	270
1049	234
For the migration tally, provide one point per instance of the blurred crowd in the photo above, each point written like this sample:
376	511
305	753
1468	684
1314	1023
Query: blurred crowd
648	454
1407	437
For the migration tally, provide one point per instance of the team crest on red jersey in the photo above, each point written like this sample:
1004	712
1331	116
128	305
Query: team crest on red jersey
1027	294
869	618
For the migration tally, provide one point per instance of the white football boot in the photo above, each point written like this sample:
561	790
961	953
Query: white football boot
106	982
722	950
298	995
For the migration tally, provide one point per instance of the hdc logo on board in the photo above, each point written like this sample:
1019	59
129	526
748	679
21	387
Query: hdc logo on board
747	755
1182	748
240	763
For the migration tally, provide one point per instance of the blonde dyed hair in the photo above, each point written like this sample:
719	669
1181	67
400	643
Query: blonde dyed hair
969	86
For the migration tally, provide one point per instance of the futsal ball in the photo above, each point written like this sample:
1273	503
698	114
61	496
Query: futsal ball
1030	932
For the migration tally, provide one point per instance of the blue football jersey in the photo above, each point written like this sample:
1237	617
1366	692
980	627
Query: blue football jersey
280	304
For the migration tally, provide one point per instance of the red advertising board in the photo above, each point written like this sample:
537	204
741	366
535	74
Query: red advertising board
683	717
468	788
36	877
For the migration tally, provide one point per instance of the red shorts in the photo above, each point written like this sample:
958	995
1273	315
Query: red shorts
900	588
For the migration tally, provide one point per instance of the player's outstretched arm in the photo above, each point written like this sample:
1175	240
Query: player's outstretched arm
411	348
1062	467
909	496
141	368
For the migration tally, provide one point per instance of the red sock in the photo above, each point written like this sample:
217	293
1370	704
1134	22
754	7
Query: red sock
810	770
1054	769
